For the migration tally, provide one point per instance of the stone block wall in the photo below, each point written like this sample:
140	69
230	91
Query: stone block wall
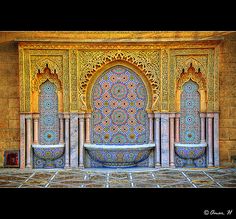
227	70
9	99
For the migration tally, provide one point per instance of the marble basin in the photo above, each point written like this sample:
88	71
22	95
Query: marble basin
190	151
48	152
119	155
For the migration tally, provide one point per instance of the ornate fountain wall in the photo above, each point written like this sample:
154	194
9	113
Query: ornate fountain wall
77	67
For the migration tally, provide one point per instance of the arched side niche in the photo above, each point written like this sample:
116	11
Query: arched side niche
126	65
39	79
190	115
48	109
199	79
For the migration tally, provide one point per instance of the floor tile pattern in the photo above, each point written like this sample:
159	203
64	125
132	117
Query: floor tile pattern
119	178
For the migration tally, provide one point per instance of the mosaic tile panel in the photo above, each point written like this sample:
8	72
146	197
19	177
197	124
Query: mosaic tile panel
48	120
119	101
190	129
122	158
190	118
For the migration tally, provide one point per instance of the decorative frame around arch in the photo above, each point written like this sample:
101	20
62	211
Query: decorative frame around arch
39	79
127	65
197	77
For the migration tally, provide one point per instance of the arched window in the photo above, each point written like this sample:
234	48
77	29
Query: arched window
119	100
48	109
190	114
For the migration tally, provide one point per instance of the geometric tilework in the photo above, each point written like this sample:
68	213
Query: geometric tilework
48	120
190	129
190	114
119	101
48	129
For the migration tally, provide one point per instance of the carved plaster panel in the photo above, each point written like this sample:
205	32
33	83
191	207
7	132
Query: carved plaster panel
200	58
33	60
92	60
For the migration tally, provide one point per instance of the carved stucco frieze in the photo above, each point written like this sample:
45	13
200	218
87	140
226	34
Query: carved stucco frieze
202	59
91	60
76	64
36	60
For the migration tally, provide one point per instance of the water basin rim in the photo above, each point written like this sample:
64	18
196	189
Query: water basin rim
48	146
191	145
117	147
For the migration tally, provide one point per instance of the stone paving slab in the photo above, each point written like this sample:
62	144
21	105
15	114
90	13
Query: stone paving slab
119	178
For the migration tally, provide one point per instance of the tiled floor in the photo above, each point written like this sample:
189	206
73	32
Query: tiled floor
119	178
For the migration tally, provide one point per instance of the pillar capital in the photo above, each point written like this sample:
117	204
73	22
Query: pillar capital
165	115
150	115
172	115
61	115
28	116
210	115
202	115
35	115
66	115
81	115
177	115
87	115
157	115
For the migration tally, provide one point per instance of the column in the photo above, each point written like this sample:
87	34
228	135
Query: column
22	140
177	118
29	140
61	141
81	140
216	140
150	118
210	146
87	129
67	117
172	140
165	140
74	153
203	137
36	128
157	139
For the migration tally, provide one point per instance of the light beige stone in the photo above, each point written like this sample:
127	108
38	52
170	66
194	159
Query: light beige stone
3	92
14	134
226	123
14	113
232	112
224	134
14	102
14	123
1	158
14	92
3	123
232	133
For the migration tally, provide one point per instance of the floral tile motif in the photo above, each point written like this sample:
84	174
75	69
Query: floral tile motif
119	101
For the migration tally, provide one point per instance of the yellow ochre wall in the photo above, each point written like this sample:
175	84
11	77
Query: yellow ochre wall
9	98
227	71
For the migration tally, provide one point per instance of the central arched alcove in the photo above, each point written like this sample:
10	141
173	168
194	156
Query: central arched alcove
119	101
